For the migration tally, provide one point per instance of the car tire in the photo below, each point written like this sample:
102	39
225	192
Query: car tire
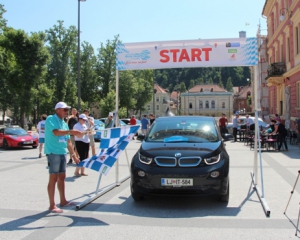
5	144
225	198
135	195
34	146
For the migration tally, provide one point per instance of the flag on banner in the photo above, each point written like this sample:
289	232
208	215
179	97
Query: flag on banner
113	143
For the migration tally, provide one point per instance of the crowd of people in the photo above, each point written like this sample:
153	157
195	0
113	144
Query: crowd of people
62	133
276	128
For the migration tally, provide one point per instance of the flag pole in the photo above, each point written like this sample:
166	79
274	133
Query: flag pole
117	122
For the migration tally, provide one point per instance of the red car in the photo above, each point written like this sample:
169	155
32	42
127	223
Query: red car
17	137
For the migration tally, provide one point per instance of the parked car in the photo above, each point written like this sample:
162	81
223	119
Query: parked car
17	137
99	125
181	155
138	122
121	122
242	122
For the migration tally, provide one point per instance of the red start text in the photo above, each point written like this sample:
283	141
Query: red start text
179	55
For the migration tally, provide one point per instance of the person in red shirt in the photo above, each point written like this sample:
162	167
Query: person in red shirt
132	121
222	124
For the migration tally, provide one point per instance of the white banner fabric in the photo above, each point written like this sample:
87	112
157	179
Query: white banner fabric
187	54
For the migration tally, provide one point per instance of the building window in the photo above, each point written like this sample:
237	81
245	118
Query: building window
223	104
206	104
190	105
200	104
157	107
148	107
213	104
298	94
157	99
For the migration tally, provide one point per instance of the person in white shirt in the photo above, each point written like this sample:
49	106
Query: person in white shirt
90	125
82	143
250	123
41	130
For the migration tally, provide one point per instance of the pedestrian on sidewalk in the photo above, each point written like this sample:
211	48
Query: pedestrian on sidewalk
90	125
109	123
235	126
82	143
57	135
132	122
222	124
145	124
71	121
41	131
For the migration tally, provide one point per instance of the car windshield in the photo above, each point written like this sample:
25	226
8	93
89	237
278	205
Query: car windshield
173	129
15	131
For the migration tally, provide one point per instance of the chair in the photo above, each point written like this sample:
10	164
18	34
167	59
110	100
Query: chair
292	135
271	142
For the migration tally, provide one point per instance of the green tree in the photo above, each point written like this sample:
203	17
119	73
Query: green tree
61	78
90	86
127	86
30	57
229	86
108	104
106	65
220	83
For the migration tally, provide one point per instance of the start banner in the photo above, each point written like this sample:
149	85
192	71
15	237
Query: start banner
229	52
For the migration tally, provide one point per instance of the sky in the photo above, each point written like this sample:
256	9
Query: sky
140	20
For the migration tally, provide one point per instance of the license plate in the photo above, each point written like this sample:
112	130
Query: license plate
177	182
28	142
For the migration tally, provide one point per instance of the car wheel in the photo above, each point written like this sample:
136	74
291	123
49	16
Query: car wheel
136	196
225	198
5	144
34	146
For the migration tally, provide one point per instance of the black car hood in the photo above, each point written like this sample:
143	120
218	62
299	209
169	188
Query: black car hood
186	149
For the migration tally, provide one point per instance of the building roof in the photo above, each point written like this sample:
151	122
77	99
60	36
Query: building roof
175	95
207	87
159	89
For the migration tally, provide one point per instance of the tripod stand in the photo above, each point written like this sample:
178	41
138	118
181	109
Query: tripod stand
290	200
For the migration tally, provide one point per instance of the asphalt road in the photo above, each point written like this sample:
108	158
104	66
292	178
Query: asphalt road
24	203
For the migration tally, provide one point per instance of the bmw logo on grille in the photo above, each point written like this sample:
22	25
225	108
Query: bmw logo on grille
177	154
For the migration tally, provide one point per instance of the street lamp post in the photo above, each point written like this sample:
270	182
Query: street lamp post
78	60
154	91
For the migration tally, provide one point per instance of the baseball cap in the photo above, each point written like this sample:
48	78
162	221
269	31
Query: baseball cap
83	116
110	114
61	105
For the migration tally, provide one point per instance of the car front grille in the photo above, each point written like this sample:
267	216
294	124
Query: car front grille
165	161
189	161
192	161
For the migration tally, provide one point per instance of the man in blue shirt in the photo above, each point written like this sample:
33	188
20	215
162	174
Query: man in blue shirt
145	124
57	140
235	126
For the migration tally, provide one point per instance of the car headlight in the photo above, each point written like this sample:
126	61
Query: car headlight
212	160
145	160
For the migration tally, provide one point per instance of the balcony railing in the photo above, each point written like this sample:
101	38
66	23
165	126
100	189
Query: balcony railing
276	69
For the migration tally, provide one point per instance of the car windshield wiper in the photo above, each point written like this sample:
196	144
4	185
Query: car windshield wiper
176	139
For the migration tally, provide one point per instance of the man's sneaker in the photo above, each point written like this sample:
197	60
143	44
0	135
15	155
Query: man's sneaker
40	155
70	161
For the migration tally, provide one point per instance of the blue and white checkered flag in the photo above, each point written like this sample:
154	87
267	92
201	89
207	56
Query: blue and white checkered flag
113	143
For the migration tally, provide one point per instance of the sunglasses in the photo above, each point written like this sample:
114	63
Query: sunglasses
66	109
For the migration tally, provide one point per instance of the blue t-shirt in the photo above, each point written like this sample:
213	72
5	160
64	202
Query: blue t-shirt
145	123
55	144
